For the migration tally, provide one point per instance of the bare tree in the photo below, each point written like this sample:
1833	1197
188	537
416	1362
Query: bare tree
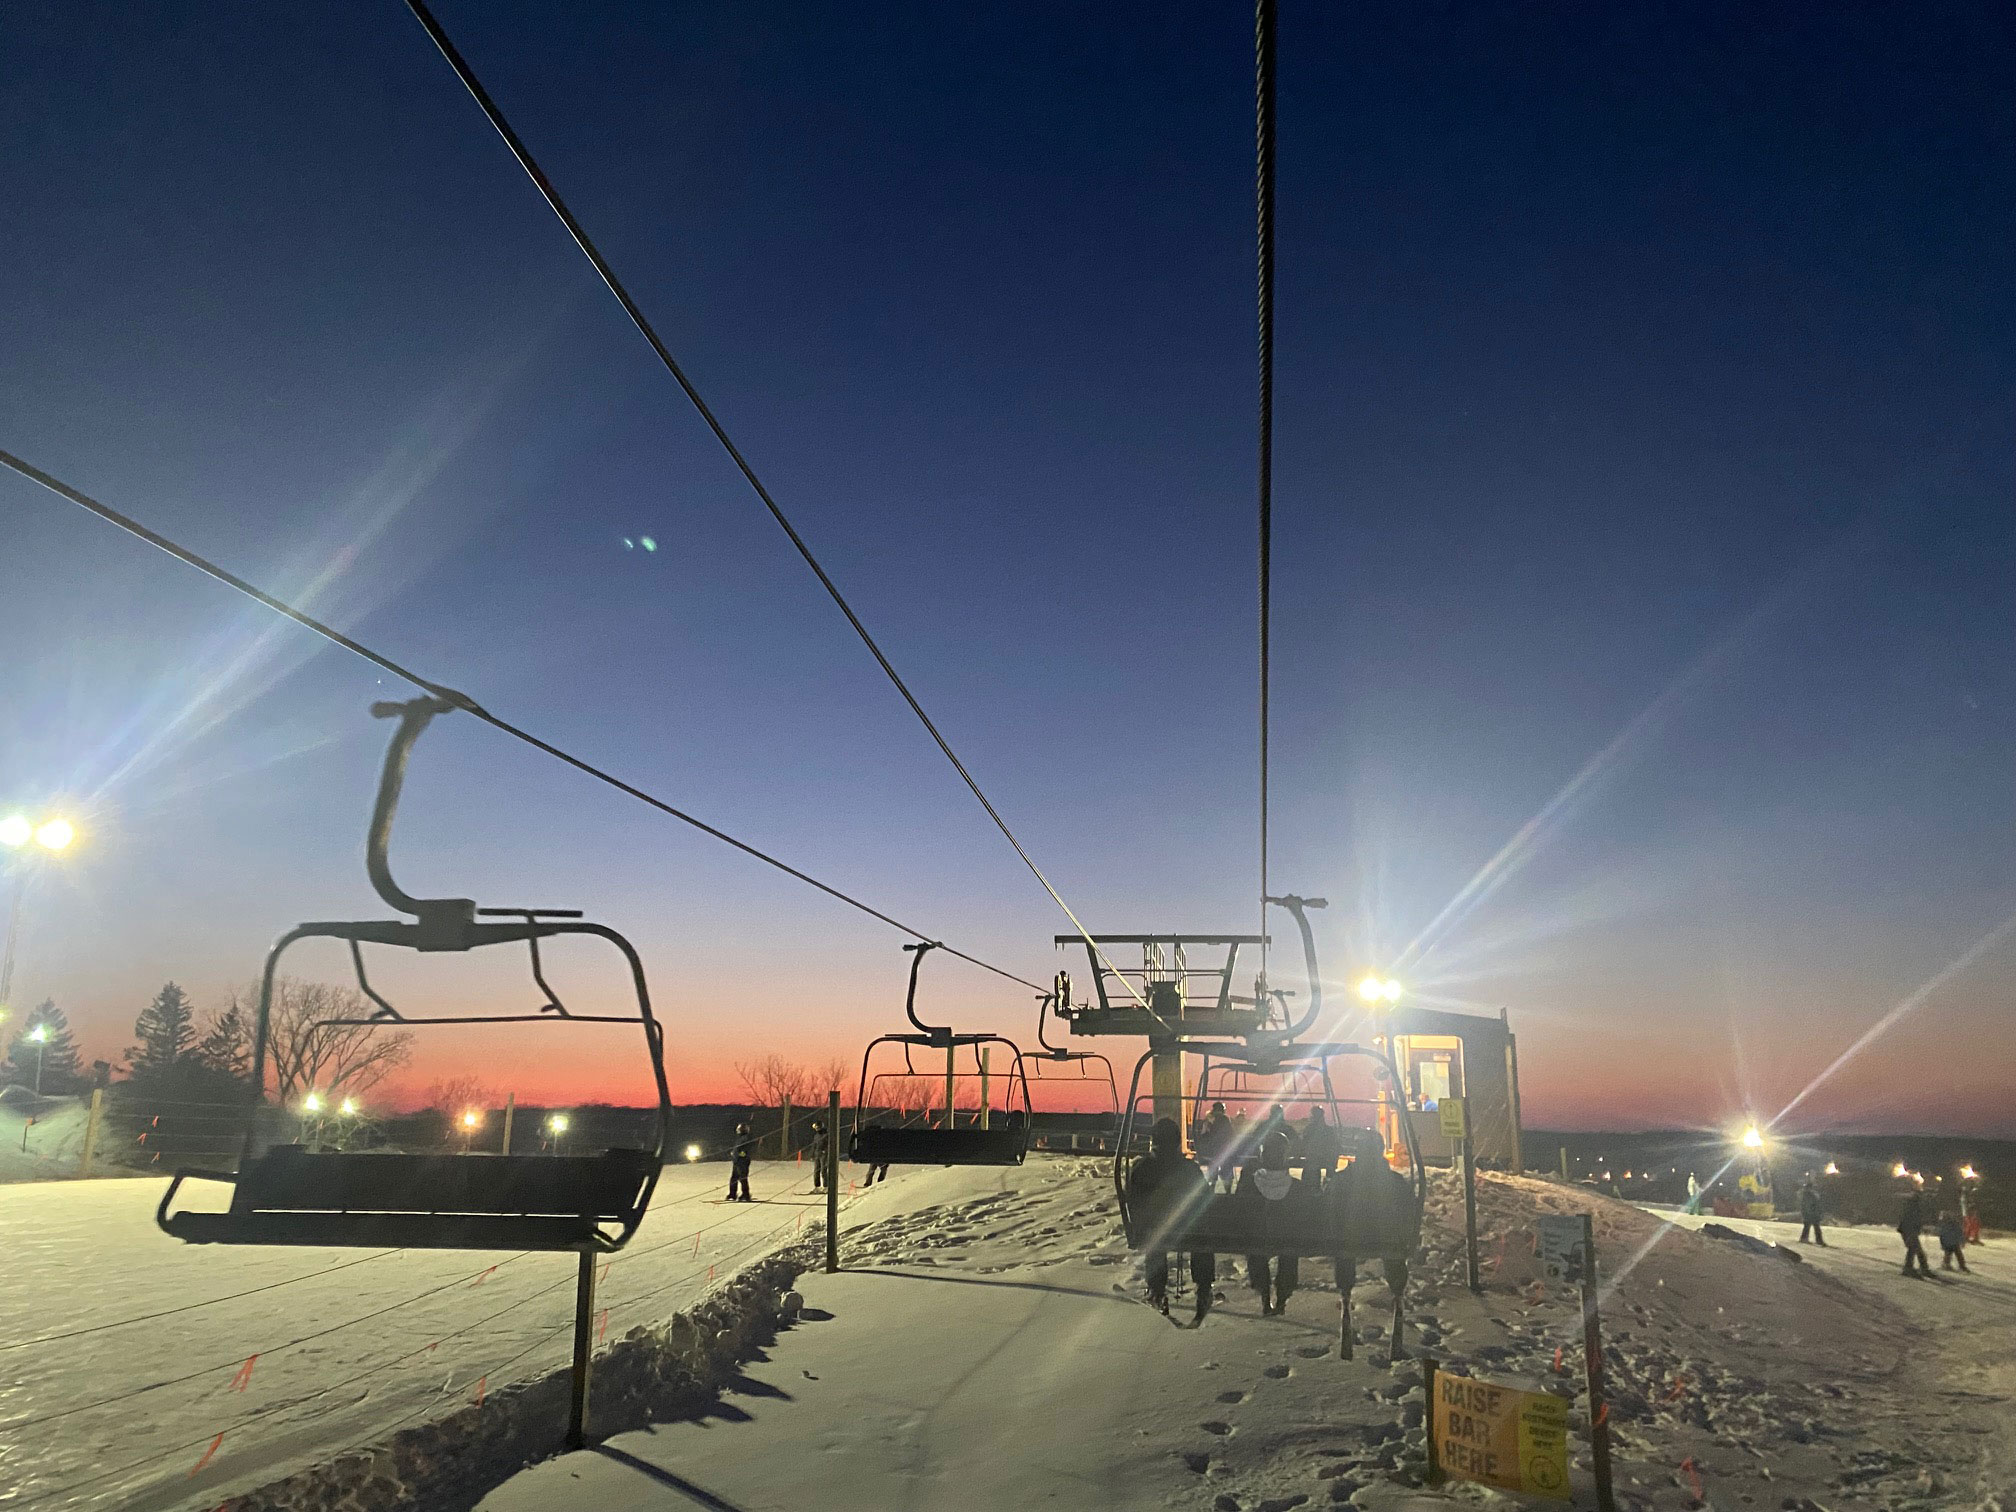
453	1096
832	1073
348	1058
772	1079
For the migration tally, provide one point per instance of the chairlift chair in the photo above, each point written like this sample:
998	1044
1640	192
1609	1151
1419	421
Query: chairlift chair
1047	1054
1005	1144
290	1194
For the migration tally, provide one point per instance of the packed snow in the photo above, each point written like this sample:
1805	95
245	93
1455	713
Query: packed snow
990	1352
987	1346
343	1346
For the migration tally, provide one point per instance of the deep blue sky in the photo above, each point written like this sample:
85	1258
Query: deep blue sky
1627	354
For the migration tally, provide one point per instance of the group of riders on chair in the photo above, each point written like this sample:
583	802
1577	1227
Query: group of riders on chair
1241	1185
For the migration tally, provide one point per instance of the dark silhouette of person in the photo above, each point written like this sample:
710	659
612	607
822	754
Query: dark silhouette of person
738	1167
1270	1199
1809	1212
820	1152
1165	1190
1910	1224
1952	1239
1371	1206
1214	1144
1321	1148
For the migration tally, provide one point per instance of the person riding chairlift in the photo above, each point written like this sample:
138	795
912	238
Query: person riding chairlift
1268	1193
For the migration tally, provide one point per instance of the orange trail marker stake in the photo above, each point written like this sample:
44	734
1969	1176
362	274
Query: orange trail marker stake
482	1383
710	1273
604	1279
1687	1464
1557	1359
482	1278
207	1454
603	1327
244	1377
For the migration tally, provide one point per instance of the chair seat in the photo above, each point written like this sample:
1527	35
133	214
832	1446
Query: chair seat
470	1231
293	1195
1236	1224
991	1147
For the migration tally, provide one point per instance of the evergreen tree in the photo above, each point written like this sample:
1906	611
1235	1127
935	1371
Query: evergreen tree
226	1046
167	1032
62	1073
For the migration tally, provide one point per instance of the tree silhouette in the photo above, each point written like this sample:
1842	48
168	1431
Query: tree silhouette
166	1030
62	1073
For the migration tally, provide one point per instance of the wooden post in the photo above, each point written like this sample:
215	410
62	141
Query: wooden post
1518	1119
983	1086
1592	1356
584	1345
833	1181
1564	1162
1470	1203
510	1107
950	1072
784	1130
1434	1475
91	1130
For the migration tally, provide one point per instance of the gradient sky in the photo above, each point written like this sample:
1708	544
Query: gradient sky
1644	464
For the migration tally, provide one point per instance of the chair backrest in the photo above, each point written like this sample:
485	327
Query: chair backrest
289	1178
875	1146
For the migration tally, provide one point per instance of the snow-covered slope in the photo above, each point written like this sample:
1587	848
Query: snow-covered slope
990	1353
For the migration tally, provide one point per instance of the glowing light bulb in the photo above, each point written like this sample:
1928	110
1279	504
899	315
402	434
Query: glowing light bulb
692	1152
471	1119
1832	1169
15	830
56	834
557	1123
349	1108
1968	1173
311	1104
1752	1139
39	1034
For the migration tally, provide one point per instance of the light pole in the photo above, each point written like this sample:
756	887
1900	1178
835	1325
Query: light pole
556	1126
471	1121
53	834
40	1035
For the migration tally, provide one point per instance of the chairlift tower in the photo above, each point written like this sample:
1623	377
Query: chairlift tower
1185	990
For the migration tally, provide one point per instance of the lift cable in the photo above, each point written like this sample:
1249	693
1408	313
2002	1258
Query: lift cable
464	701
1263	184
649	332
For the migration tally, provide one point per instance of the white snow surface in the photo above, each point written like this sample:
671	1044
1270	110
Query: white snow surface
987	1347
118	1417
989	1351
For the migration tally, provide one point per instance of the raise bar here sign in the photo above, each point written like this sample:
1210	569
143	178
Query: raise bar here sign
1498	1435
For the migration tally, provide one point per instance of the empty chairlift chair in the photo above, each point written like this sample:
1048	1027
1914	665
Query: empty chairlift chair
989	1141
291	1194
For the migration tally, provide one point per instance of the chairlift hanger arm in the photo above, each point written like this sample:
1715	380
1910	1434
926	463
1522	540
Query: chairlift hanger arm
1299	908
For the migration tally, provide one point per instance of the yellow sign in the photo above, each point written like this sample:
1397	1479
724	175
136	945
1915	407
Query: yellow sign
1499	1436
1452	1117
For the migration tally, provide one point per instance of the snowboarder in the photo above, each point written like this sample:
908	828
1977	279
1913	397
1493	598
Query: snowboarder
1214	1144
1911	1223
1321	1148
1809	1212
1268	1196
738	1169
1952	1235
819	1154
1164	1189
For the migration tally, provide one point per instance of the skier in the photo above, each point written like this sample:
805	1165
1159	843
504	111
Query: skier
819	1154
1269	1198
1952	1235
1809	1212
1910	1223
1321	1148
1164	1189
1214	1144
1693	1195
738	1170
